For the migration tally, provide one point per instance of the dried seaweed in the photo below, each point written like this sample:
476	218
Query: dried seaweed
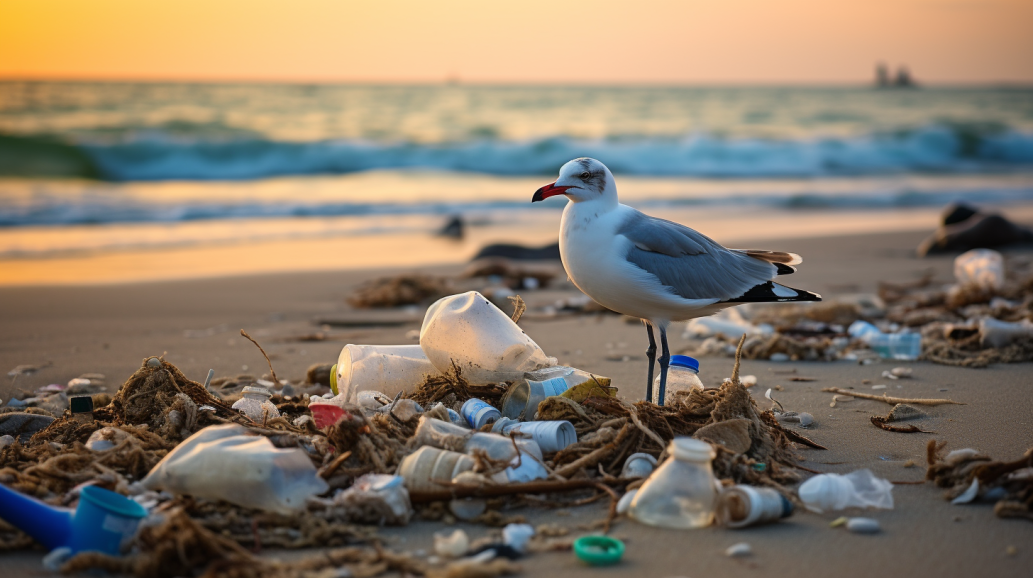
959	470
882	422
411	289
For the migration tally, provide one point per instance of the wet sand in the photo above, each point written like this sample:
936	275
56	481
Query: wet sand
109	329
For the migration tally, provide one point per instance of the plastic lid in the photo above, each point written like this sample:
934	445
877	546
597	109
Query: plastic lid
691	449
685	361
599	550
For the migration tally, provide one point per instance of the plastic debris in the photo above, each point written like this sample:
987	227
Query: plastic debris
479	413
980	269
740	506
387	369
997	334
907	346
377	499
551	436
468	330
681	492
858	489
598	550
256	405
682	377
517	536
638	465
101	521
728	322
106	438
223	463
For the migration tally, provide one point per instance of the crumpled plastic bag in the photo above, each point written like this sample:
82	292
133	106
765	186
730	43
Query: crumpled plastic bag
482	340
858	489
377	499
224	463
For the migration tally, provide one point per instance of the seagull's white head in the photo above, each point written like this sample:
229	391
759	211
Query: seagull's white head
581	180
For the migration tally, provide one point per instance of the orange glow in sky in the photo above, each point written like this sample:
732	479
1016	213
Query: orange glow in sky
554	41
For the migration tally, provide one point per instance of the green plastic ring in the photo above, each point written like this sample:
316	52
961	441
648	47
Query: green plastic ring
333	379
599	550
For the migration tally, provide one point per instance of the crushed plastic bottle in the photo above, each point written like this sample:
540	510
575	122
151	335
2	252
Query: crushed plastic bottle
681	493
551	436
480	339
255	404
386	369
682	375
225	463
903	346
522	398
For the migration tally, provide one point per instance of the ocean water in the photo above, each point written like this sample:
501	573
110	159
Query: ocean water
95	167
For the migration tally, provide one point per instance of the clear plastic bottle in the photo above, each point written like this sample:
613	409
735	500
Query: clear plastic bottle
255	404
904	346
682	375
682	492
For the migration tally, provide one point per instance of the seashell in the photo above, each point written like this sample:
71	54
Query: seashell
739	550
863	525
969	494
748	380
904	412
451	545
901	372
958	456
733	434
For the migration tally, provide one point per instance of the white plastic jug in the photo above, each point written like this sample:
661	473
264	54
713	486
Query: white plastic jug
482	340
385	368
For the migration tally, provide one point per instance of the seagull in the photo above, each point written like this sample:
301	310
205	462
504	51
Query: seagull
654	269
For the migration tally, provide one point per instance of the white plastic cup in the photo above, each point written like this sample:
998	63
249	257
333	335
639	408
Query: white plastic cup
478	413
428	467
389	369
551	436
740	506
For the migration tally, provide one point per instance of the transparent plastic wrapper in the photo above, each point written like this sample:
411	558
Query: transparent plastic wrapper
981	268
903	346
682	375
255	404
377	499
682	492
522	398
551	436
388	369
224	463
482	340
859	489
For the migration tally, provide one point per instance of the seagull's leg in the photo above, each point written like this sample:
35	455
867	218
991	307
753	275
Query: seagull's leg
651	355
665	360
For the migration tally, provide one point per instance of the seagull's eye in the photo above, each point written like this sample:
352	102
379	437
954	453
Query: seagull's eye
585	175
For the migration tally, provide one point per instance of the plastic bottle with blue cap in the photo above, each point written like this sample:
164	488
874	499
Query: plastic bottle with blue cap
682	376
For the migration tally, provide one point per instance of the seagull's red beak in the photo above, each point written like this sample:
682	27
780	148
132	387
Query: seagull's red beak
549	190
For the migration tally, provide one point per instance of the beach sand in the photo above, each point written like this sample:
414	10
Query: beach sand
110	328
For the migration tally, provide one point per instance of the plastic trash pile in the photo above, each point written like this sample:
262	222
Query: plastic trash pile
473	416
985	316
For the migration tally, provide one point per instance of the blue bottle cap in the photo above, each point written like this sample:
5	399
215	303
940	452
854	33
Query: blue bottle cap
685	361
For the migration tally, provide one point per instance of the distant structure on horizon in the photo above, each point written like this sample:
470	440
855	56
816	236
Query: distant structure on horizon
902	80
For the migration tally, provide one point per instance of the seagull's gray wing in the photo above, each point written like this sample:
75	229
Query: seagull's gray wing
690	263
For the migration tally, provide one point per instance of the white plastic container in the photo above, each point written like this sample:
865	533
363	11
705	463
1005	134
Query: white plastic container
388	369
255	404
426	468
551	436
682	375
482	340
682	492
858	489
224	463
996	333
982	268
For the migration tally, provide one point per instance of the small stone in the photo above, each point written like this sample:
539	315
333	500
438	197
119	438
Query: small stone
739	550
904	412
154	362
863	525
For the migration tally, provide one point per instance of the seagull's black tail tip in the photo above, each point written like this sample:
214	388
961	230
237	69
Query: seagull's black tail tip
770	292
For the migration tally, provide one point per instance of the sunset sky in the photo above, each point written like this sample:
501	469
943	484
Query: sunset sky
553	41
